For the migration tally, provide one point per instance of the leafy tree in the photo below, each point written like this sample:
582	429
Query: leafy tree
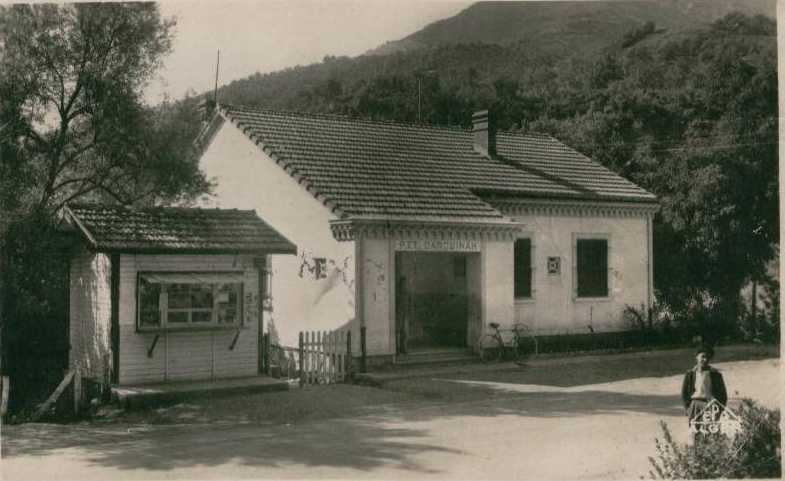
71	78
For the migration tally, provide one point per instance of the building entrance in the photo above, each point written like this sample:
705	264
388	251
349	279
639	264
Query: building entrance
433	300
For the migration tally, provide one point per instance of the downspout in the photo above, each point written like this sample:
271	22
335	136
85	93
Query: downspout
359	267
263	357
114	329
650	260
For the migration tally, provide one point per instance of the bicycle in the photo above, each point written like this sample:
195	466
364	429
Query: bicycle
493	346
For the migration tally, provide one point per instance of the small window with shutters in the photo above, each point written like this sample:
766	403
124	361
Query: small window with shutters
523	268
592	267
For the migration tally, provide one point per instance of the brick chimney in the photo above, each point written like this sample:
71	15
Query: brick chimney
484	133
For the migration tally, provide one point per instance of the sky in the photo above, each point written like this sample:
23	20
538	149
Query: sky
270	35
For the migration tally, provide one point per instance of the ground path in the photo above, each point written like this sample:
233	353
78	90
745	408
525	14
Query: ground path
554	421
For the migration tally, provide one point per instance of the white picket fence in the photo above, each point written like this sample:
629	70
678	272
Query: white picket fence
325	357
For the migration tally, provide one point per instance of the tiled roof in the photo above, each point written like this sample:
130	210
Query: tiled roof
176	230
375	169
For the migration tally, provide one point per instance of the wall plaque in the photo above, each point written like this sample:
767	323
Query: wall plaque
554	265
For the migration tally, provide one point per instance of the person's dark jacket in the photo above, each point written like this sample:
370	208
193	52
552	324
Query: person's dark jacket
717	387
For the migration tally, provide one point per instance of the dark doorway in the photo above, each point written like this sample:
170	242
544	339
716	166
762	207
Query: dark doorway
431	301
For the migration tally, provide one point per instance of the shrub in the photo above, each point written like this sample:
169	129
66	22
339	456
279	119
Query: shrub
753	453
650	321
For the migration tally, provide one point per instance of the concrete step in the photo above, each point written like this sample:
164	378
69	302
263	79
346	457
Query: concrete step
149	395
436	357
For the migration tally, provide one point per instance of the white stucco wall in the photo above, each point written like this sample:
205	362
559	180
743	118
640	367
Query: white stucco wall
378	285
497	286
554	308
246	178
90	314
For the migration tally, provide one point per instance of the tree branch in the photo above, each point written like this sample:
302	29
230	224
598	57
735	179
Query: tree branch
80	192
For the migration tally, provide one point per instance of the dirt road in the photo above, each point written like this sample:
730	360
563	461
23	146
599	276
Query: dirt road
501	429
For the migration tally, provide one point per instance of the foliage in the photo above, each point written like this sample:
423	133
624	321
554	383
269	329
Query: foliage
35	308
770	324
764	325
648	320
635	35
73	122
753	453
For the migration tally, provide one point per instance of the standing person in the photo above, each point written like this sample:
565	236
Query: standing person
701	384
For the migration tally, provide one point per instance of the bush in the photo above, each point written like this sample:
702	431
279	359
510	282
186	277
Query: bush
35	309
753	453
652	322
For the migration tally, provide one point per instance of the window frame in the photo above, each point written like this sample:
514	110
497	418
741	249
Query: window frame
532	268
608	288
190	325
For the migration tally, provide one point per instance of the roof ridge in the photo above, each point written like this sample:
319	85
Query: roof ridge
401	123
323	116
131	208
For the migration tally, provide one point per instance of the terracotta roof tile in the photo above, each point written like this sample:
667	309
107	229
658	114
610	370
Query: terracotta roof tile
176	229
387	169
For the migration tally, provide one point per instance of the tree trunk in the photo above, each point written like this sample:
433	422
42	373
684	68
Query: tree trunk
754	307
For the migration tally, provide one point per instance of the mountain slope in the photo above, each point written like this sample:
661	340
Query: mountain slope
568	27
443	83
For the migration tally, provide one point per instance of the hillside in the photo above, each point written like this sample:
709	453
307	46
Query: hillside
533	50
561	28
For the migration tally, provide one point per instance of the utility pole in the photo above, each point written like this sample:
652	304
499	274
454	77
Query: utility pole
217	64
419	75
419	101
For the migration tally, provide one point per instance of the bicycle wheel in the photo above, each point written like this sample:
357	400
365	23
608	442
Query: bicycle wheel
518	352
525	343
489	348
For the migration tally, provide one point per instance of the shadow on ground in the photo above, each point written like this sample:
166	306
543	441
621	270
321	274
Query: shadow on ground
355	443
363	442
355	432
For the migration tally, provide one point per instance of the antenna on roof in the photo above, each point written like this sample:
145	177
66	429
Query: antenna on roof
217	63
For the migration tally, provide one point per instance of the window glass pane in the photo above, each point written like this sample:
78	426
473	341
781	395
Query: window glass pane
592	266
227	315
228	303
523	268
177	317
149	318
201	296
179	296
201	316
149	295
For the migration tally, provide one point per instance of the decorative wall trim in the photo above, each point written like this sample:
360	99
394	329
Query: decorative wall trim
352	230
512	207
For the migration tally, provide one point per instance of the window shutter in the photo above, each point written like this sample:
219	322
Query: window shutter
523	268
592	267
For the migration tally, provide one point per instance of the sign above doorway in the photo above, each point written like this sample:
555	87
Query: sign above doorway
437	245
